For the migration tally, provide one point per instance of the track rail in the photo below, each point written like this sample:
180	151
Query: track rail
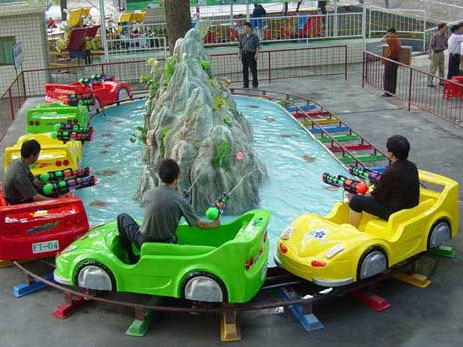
278	276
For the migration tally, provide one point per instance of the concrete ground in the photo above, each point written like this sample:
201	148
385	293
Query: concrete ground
417	317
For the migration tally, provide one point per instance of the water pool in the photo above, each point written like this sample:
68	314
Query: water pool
295	164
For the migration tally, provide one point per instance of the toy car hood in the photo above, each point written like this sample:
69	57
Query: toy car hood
314	235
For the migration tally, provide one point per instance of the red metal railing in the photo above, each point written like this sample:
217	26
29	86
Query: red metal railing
272	65
10	103
445	100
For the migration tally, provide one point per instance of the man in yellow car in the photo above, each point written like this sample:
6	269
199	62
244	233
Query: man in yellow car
398	188
20	185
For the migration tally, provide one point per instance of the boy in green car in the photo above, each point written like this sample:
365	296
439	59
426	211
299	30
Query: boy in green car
164	208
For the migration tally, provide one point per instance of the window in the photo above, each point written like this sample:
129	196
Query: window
6	45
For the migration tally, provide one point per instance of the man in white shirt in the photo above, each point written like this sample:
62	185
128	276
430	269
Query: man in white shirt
454	51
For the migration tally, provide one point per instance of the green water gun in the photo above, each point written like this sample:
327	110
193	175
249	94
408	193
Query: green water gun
65	186
217	208
65	174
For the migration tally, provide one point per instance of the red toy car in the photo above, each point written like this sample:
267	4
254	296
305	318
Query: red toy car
103	90
40	229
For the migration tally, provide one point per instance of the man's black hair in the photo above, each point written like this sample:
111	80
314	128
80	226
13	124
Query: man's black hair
441	25
28	148
392	30
454	28
247	24
399	146
168	171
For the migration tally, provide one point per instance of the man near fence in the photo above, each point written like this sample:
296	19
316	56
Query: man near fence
437	47
249	52
454	44
390	67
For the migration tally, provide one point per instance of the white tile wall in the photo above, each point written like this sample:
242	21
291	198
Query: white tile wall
27	24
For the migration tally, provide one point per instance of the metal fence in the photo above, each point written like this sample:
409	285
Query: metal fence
444	100
272	65
10	103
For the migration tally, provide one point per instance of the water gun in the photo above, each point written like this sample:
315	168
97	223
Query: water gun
65	174
85	81
217	208
98	77
65	186
349	185
68	132
365	173
74	100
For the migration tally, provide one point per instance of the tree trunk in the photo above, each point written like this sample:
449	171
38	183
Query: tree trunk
63	5
178	19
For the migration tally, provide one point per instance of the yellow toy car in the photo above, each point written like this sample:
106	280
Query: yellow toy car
330	252
54	155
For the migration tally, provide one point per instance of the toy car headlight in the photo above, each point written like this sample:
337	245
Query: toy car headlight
286	234
333	251
69	249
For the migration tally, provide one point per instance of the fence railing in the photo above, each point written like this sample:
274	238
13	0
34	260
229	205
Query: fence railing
443	100
10	103
272	65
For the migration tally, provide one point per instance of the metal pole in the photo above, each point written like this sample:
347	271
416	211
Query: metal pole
231	17
424	31
335	18
247	11
104	39
364	24
410	89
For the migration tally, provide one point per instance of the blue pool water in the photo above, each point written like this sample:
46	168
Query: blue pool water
295	164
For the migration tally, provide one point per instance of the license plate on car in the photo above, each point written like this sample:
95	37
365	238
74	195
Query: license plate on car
44	247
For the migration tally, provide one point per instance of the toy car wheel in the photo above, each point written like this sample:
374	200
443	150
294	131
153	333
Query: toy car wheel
202	286
123	94
439	234
371	263
96	276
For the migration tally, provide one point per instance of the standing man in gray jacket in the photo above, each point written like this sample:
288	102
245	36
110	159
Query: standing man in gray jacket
249	53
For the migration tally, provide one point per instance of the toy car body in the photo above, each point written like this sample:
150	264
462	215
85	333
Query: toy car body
40	229
227	264
104	92
54	154
330	252
43	118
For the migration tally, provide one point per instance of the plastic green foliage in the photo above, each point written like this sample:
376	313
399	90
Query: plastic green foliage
214	83
169	68
163	140
204	64
219	101
142	135
228	120
222	155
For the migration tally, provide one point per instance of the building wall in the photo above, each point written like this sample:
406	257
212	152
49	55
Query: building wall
26	22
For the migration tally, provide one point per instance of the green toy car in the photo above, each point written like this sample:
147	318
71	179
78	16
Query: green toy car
43	118
227	264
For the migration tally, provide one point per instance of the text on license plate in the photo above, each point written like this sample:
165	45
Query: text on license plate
47	246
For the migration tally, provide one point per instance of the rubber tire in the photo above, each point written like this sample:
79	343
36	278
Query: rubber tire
365	254
428	246
119	94
103	267
192	275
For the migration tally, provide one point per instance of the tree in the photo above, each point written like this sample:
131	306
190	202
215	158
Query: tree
178	18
